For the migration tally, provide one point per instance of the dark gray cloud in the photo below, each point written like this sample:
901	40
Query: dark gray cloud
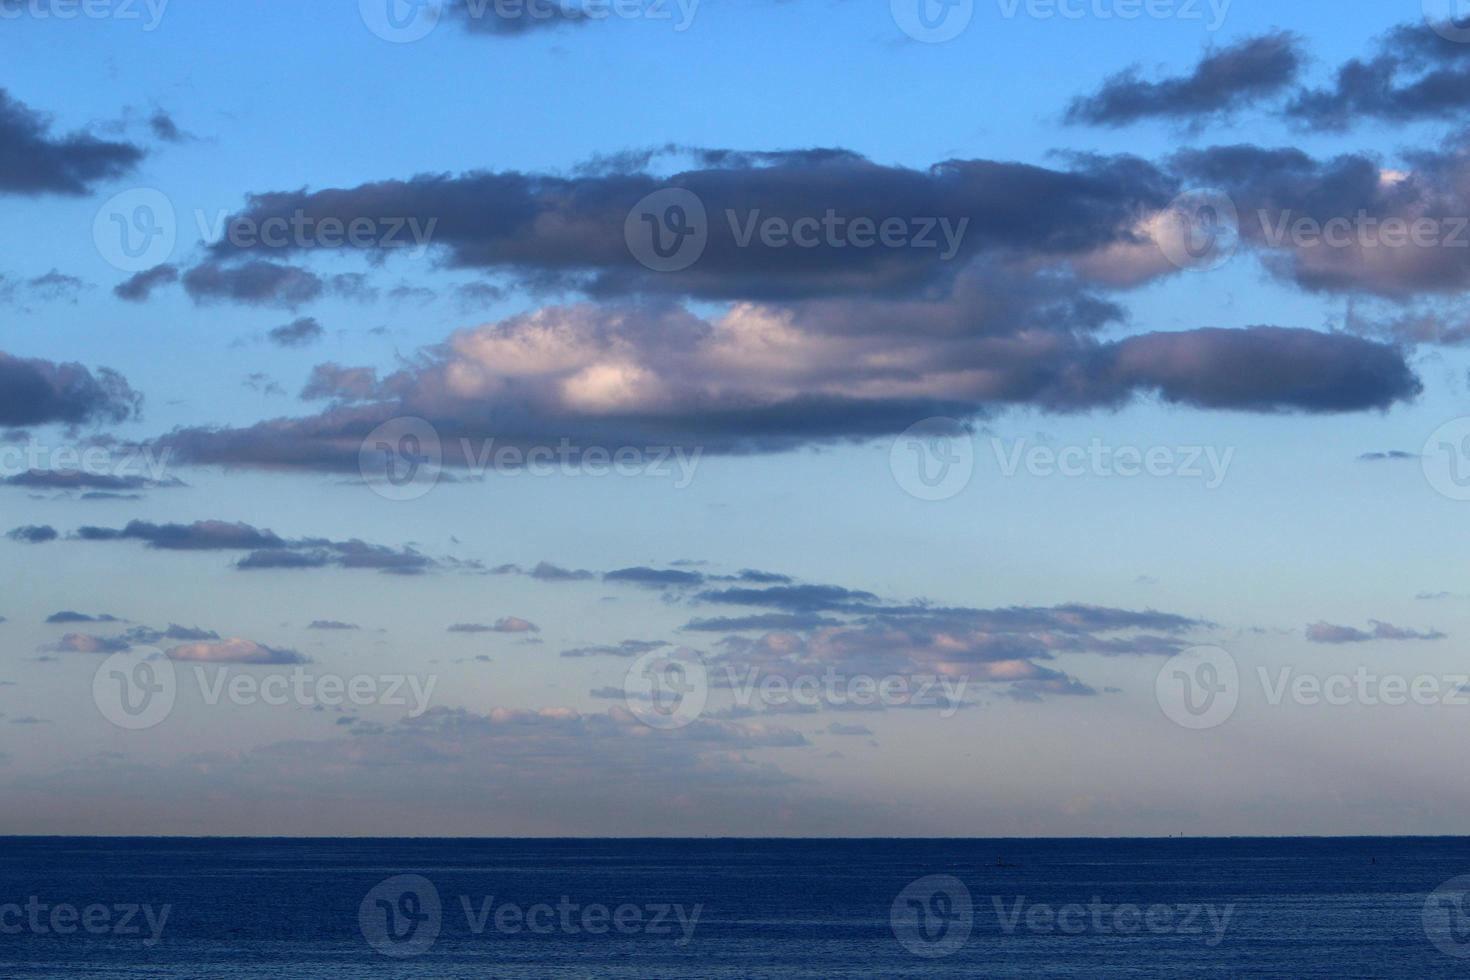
33	161
1350	224
69	617
1338	635
761	622
570	232
267	550
1414	74
38	392
301	332
84	480
627	648
254	283
34	534
794	598
1251	70
332	625
139	288
654	577
497	18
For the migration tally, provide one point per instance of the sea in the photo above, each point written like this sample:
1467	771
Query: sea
359	908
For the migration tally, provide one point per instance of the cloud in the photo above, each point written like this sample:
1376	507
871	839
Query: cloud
546	572
332	624
627	648
489	18
38	392
1349	225
507	624
76	617
570	232
33	534
267	550
302	332
1227	79
139	287
34	162
88	643
1330	634
164	128
85	480
1392	455
256	283
234	651
763	621
657	578
1415	74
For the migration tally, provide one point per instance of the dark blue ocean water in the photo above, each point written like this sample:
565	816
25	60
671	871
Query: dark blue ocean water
399	908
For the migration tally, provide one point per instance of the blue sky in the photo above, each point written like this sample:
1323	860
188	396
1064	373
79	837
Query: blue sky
785	378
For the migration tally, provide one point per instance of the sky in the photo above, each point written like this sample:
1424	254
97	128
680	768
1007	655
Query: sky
736	417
